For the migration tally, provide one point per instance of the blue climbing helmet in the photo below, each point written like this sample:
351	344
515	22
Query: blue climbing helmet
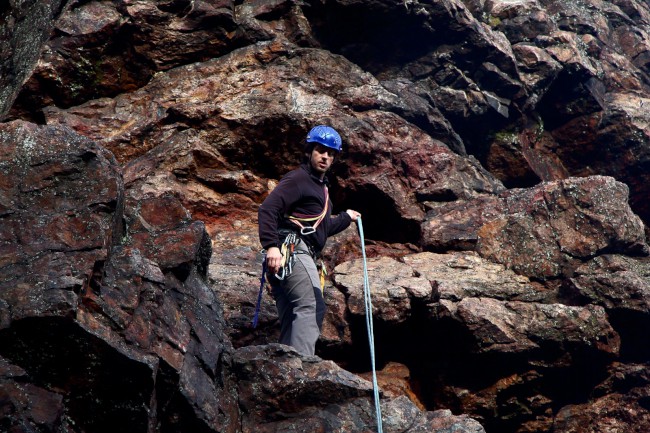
325	135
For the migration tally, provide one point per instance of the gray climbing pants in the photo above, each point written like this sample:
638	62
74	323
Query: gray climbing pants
300	303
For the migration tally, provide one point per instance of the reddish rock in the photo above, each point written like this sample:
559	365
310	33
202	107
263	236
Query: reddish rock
162	229
107	48
392	149
619	405
58	223
561	222
77	306
394	381
542	232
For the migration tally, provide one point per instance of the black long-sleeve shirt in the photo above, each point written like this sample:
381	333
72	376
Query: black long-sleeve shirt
300	192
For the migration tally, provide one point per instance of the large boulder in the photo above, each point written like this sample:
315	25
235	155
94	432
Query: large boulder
92	315
282	391
58	222
545	231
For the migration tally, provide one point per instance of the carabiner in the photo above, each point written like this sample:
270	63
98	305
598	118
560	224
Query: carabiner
307	230
281	273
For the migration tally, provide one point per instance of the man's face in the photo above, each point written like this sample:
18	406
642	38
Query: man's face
321	158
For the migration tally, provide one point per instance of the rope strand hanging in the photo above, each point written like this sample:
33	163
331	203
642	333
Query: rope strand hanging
369	326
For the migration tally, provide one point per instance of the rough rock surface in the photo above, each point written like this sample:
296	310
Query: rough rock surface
25	27
498	151
277	385
89	321
541	232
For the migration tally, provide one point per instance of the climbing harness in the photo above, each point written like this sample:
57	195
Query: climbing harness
289	251
371	334
298	218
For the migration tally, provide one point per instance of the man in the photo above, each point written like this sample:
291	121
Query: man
299	206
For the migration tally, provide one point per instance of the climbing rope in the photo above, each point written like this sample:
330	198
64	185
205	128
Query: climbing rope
369	326
371	333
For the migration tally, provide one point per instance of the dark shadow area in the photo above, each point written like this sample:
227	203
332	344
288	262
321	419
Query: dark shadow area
634	329
177	7
501	390
174	413
381	221
103	390
374	37
477	138
572	94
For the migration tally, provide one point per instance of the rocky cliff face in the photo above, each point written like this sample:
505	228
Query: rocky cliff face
499	152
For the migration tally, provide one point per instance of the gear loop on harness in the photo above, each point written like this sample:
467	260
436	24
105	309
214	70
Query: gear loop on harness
288	250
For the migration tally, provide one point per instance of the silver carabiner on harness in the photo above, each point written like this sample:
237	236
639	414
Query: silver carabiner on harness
307	230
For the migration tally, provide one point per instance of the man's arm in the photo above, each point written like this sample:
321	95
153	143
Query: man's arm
269	214
342	221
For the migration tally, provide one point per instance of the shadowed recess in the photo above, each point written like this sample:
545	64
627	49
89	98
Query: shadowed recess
93	377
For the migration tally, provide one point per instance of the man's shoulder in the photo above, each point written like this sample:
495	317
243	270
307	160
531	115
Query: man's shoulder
297	173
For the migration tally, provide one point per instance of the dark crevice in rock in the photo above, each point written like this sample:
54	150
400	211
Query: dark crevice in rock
174	412
374	37
632	326
381	220
276	13
180	120
572	94
181	272
445	195
5	7
177	7
476	137
96	277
